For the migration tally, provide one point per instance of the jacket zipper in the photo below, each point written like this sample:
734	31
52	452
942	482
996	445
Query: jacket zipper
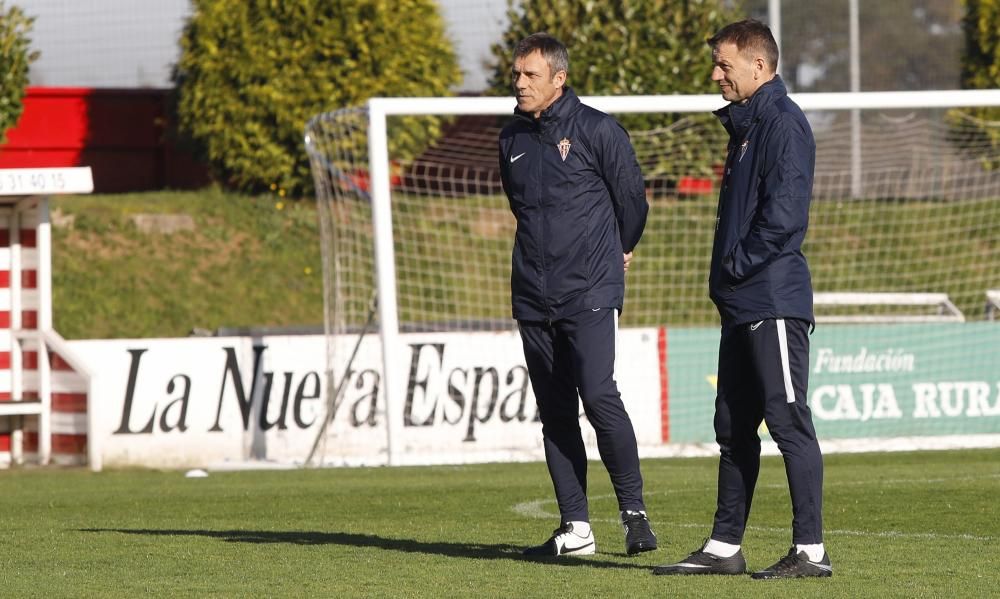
539	156
728	168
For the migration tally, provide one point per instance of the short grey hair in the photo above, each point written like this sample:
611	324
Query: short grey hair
553	51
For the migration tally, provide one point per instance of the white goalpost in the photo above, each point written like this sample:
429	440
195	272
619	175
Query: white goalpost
426	233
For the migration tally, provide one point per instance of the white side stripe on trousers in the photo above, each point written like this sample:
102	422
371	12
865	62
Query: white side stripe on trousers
616	338
786	371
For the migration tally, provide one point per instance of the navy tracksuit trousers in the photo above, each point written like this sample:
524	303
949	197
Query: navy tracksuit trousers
571	355
763	375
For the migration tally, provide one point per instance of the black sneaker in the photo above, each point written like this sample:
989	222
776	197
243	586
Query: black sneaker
700	562
564	541
639	536
796	565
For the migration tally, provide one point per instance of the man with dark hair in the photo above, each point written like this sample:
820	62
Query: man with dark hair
760	282
576	191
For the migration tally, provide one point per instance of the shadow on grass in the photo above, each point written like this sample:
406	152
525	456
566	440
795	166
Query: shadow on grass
467	550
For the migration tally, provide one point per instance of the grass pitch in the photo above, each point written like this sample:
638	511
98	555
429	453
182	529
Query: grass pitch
923	524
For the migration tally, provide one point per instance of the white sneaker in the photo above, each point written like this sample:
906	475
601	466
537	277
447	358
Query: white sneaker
564	541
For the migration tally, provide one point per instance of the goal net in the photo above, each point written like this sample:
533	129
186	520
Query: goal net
904	247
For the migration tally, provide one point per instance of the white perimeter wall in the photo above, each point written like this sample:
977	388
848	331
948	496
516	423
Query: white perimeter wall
183	402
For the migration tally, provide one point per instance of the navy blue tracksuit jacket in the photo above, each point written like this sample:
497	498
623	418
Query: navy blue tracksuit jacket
760	272
576	189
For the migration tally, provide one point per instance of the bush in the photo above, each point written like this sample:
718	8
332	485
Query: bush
980	70
14	60
981	59
252	72
630	47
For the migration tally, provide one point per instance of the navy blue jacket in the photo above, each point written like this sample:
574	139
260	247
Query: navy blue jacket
576	190
758	269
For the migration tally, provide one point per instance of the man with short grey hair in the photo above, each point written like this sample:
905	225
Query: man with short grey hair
579	199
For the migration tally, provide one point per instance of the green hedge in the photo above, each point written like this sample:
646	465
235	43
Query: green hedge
629	47
980	70
252	72
15	56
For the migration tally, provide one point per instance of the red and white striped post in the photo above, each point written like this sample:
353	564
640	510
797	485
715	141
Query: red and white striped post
43	398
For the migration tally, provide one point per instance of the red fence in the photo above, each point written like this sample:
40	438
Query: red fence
122	134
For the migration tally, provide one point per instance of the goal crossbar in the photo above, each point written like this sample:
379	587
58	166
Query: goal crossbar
694	103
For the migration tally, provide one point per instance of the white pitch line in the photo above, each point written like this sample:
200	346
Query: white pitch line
910	481
535	509
889	534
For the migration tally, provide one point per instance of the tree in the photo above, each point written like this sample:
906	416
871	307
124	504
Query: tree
15	57
252	72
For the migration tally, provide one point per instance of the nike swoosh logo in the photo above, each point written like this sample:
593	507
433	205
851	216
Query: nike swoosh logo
754	327
513	159
572	550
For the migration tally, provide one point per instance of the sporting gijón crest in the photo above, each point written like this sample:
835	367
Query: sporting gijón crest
564	147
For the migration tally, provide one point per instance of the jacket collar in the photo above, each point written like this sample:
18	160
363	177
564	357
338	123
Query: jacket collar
564	105
737	118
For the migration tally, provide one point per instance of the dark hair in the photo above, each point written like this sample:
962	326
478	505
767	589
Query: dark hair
553	51
749	36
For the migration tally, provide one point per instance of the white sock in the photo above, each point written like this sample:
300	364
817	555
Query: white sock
720	549
815	552
581	528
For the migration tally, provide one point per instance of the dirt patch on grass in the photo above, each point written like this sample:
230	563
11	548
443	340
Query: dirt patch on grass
165	224
114	245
